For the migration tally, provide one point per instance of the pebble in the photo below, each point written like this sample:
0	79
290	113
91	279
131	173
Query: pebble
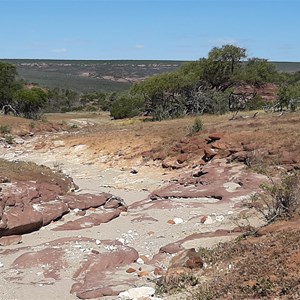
1	265
140	261
209	220
178	220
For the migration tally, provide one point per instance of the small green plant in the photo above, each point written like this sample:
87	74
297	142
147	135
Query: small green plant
4	129
74	126
176	283
9	139
197	126
31	125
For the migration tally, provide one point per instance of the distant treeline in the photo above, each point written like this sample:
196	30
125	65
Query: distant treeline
162	89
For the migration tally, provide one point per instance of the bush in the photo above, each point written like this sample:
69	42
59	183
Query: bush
4	129
197	126
127	106
280	200
256	103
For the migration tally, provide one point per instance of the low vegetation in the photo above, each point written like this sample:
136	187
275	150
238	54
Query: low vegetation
279	200
215	85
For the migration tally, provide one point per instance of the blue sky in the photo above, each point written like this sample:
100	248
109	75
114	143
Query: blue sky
148	29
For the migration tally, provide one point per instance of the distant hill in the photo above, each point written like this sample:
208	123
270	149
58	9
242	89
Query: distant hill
289	67
101	75
89	75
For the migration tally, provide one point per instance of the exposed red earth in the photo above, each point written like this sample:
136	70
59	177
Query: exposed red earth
122	205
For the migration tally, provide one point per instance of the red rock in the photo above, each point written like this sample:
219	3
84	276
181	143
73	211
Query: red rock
47	256
89	221
10	240
143	274
215	136
187	259
52	210
130	270
85	201
90	277
114	202
145	259
220	145
171	222
203	219
158	271
182	158
22	220
208	153
241	156
171	248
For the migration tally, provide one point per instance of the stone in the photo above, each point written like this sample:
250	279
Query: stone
130	270
187	259
171	248
178	220
215	136
143	273
51	210
115	202
10	240
140	261
137	293
22	220
158	271
89	221
90	276
85	201
209	220
203	219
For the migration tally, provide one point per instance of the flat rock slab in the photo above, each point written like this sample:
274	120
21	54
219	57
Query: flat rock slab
85	261
216	180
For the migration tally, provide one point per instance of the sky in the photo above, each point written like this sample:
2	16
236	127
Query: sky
148	29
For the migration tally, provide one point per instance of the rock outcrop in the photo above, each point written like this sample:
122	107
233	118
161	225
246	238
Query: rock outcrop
27	206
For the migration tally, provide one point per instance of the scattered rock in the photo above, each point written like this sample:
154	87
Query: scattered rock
188	259
138	293
143	273
130	270
203	219
133	171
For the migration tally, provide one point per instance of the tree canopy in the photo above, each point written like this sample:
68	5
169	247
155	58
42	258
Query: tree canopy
205	85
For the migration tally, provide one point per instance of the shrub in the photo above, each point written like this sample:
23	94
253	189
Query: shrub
9	139
4	129
127	106
197	125
280	200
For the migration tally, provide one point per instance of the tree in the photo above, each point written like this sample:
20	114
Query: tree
228	53
221	65
8	83
257	71
29	102
288	95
